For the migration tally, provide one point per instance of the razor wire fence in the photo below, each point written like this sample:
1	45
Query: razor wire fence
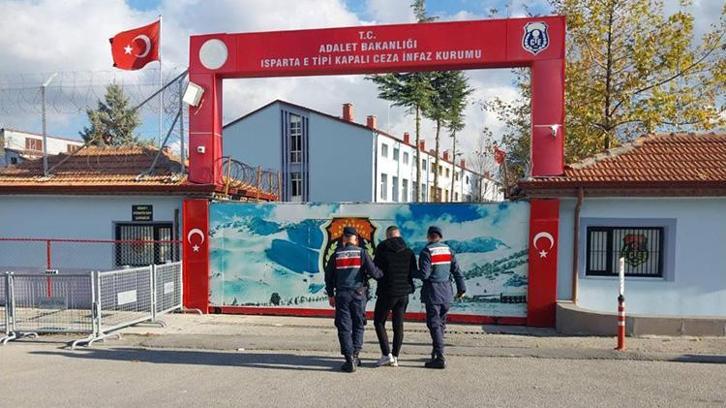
95	304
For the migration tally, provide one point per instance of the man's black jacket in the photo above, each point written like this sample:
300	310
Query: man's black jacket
398	264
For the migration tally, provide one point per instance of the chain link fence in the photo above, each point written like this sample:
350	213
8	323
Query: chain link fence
94	303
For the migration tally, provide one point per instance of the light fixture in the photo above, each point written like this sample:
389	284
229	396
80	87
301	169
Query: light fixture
193	94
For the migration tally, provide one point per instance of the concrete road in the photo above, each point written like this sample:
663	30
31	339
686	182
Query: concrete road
43	375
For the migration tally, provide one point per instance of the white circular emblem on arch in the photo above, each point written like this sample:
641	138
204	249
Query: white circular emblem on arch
213	54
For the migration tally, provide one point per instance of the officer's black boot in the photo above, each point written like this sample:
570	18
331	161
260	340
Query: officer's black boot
349	365
438	362
356	359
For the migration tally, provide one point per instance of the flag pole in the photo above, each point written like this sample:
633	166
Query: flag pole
161	86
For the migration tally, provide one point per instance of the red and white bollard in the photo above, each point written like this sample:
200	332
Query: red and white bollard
621	323
621	307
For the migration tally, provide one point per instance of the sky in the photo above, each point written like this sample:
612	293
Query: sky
71	37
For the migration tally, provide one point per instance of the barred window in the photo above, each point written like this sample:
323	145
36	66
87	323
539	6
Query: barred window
642	248
145	253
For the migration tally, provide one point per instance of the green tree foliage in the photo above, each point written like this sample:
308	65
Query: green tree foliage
631	70
112	123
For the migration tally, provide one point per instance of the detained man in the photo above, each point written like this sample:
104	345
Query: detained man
398	264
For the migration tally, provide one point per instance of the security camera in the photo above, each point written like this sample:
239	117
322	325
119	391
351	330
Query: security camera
554	128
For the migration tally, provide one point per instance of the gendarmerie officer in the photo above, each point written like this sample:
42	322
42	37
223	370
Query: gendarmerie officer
346	275
437	266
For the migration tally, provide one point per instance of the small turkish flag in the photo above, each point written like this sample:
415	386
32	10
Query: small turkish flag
133	49
499	155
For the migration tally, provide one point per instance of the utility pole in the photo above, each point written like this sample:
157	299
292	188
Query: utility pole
45	136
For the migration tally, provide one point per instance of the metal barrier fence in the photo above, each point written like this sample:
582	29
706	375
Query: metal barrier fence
95	303
82	255
4	317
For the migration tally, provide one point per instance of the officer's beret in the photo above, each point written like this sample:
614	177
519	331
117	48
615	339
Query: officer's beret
435	230
348	231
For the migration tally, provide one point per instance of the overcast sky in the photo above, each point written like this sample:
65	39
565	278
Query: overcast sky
72	35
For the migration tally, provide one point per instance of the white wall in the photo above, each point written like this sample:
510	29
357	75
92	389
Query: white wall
341	161
16	141
256	139
70	217
698	282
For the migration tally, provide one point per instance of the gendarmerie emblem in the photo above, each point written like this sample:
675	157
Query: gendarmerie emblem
536	38
334	232
635	249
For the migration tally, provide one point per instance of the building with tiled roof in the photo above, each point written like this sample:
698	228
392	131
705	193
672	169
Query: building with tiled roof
659	203
661	165
17	146
113	170
105	194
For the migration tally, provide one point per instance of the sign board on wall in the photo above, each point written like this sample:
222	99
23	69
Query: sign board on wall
272	255
142	212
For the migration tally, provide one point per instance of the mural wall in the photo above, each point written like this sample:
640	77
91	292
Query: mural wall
272	254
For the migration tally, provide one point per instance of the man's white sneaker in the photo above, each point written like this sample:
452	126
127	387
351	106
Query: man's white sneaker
395	362
386	361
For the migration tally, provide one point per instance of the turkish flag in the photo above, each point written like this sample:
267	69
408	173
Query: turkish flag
499	155
133	49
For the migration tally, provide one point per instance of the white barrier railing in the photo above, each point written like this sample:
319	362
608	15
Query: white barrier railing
97	304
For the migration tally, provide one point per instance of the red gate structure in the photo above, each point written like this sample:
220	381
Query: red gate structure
536	43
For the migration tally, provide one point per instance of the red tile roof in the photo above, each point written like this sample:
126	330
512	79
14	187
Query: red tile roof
107	170
661	164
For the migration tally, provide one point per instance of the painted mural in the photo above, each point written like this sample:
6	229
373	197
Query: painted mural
272	254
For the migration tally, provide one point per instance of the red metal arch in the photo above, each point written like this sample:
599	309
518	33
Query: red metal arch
537	43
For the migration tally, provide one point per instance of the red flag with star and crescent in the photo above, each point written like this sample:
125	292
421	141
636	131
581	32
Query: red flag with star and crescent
133	49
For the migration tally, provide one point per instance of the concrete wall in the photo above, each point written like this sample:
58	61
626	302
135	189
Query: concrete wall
695	266
69	217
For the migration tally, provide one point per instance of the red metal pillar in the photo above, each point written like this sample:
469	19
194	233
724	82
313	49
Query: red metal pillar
205	132
543	245
195	215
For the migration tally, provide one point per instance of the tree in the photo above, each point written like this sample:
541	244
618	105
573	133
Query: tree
411	91
447	102
459	93
482	159
113	123
630	70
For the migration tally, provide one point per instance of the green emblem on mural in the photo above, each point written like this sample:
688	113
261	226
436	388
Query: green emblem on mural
635	249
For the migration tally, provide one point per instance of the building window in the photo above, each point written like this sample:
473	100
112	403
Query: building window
448	174
424	192
384	186
467	179
158	250
72	148
396	152
384	150
394	185
423	165
456	176
456	196
296	185
405	157
13	160
33	144
446	195
642	248
404	192
295	139
441	170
